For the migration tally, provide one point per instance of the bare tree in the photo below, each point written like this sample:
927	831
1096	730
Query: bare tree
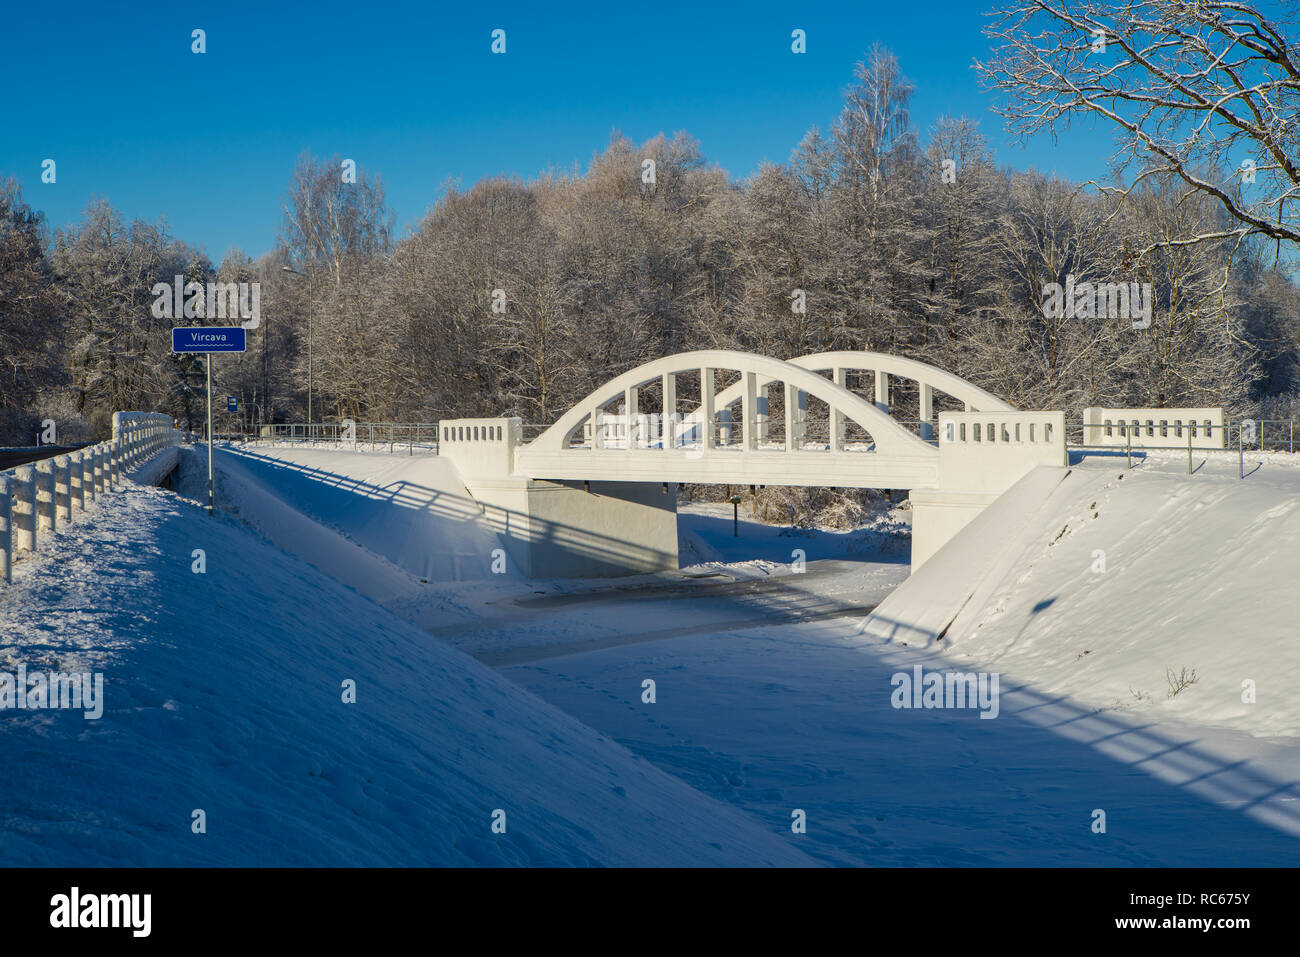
879	272
121	358
518	297
1191	88
30	373
336	228
962	198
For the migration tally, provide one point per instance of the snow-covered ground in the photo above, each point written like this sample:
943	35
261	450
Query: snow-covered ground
1151	571
779	718
770	698
706	538
799	714
224	693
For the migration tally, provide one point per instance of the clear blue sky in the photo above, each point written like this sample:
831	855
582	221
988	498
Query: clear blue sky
113	94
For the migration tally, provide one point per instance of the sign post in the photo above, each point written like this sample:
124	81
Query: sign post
209	339
208	356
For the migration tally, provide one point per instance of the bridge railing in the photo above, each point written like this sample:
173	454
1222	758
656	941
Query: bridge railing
1232	438
37	500
1156	428
990	451
649	432
1126	427
1260	435
404	436
481	448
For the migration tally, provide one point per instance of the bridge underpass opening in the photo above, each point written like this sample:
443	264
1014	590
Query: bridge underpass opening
791	526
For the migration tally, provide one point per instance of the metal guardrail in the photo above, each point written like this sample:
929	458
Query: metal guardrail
1261	435
1240	435
406	435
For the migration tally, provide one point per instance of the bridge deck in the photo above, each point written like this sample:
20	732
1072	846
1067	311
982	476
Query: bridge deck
731	466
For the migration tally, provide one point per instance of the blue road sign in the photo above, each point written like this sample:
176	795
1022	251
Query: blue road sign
232	403
209	339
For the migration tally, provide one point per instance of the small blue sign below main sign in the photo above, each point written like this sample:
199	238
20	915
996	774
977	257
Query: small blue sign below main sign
209	339
232	403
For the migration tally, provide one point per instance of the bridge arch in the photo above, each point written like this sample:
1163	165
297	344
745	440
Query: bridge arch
928	378
975	398
889	437
688	450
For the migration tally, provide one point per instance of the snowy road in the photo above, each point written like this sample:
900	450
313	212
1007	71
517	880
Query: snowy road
799	717
769	698
827	590
12	458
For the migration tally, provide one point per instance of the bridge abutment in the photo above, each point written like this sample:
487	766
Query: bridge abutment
981	455
561	529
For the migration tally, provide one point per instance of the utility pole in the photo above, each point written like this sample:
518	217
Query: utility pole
264	405
311	285
209	355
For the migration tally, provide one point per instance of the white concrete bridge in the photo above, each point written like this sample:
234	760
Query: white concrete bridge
613	460
727	436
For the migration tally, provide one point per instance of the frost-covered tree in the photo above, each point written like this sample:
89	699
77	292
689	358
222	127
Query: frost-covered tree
30	321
